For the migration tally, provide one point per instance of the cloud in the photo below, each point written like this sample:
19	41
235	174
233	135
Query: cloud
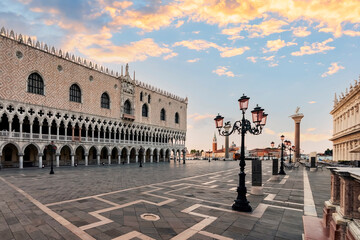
263	29
271	60
311	102
231	52
307	137
179	24
316	47
193	60
269	131
252	59
300	32
222	70
352	33
271	16
275	45
100	48
198	117
195	32
171	55
200	44
334	68
310	129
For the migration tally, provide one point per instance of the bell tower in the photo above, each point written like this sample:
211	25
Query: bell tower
214	145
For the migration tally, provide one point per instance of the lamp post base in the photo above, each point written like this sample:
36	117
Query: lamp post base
282	172
51	171
241	206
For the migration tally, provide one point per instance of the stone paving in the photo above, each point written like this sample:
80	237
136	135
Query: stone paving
179	201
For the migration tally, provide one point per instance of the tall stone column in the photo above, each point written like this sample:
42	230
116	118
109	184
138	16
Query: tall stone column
297	119
86	160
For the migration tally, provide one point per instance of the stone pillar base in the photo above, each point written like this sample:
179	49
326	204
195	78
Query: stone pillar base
313	169
256	190
275	178
328	210
338	227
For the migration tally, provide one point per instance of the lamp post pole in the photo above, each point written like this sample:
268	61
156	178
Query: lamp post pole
282	172
52	149
242	127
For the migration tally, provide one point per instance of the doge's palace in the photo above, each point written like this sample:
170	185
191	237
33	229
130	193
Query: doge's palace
346	124
92	114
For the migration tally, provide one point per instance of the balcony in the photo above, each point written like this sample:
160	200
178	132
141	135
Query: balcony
128	117
36	137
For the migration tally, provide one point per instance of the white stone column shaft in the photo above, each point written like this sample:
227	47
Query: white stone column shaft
21	161
57	160
86	160
40	161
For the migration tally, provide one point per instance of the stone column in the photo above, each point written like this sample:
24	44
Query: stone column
57	160
87	135
158	157
98	159
72	133
10	129
72	160
119	159
57	132
49	132
79	134
40	161
136	158
66	133
128	159
297	119
109	159
21	161
151	158
31	130
143	158
21	129
86	160
40	130
93	134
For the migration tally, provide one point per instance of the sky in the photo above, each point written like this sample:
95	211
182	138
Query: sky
283	54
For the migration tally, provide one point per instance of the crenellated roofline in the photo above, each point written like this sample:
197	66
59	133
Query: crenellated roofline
28	41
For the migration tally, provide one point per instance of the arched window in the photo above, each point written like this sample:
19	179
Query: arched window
149	99
127	107
177	118
162	115
145	110
105	101
141	96
75	93
35	84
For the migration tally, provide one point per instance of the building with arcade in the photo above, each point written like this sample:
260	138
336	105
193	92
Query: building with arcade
92	114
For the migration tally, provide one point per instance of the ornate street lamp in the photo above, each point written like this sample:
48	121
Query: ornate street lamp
242	127
282	172
289	147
